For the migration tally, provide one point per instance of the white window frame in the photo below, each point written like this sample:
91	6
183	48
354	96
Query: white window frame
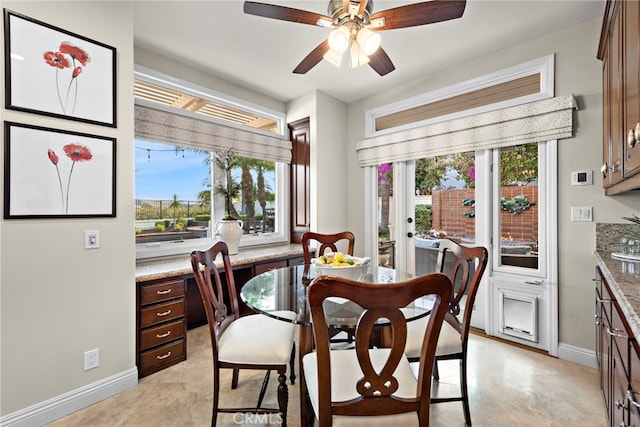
162	249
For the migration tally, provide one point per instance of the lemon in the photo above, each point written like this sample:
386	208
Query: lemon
339	257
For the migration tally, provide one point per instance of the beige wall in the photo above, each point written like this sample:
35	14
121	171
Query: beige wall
69	300
58	299
577	71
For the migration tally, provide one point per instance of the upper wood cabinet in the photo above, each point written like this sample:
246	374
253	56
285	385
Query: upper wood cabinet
620	52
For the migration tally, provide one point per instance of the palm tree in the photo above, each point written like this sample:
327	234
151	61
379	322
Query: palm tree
175	204
227	161
247	192
261	166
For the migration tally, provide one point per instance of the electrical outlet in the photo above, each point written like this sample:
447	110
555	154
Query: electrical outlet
91	239
91	359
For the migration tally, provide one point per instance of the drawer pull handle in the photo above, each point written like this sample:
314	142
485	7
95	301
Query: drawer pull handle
168	291
163	335
616	333
164	313
631	400
164	356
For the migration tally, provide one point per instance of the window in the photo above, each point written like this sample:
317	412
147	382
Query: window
178	191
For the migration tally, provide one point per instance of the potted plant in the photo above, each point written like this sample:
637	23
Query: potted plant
230	227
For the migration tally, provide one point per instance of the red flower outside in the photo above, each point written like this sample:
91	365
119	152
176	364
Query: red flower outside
53	156
56	59
75	52
77	153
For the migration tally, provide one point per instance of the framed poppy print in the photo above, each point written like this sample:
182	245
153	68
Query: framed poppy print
57	73
53	173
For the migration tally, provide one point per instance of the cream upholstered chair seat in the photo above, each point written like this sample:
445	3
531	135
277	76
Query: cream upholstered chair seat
257	339
449	341
345	372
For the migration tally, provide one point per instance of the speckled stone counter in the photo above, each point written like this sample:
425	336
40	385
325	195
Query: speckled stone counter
177	266
623	278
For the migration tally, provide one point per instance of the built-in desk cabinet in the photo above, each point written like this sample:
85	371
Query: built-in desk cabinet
618	358
161	325
167	307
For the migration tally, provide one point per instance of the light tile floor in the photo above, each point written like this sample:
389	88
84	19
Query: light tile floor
509	387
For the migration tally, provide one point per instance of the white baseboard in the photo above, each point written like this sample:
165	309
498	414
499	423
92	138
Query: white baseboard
67	403
577	355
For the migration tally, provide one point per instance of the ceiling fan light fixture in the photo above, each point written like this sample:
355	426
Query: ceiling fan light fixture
368	40
339	39
357	56
334	57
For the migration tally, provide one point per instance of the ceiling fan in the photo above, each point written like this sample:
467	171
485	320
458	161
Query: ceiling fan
355	28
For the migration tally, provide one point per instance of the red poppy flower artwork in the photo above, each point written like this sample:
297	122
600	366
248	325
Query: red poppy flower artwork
75	152
72	58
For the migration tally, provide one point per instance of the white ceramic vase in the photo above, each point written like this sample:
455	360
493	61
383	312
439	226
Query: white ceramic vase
230	231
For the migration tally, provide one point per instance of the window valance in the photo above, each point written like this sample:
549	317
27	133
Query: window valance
536	121
161	126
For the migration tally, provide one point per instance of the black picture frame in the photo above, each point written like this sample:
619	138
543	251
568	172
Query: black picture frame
57	73
56	173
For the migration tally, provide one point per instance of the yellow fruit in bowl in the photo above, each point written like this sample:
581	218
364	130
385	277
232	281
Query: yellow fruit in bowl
339	256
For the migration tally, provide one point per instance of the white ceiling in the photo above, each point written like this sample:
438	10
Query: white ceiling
260	53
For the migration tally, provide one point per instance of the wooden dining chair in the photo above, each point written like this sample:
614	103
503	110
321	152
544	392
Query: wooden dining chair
326	242
465	267
256	342
368	386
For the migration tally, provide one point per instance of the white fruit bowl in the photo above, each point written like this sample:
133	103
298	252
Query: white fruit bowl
355	272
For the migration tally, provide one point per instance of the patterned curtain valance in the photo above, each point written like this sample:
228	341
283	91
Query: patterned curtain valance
536	121
162	126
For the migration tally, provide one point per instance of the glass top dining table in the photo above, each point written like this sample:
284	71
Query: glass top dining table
285	290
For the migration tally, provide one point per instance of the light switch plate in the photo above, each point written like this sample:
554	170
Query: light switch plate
581	213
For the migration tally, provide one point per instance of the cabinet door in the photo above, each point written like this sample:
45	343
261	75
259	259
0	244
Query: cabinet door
617	136
620	372
633	394
631	15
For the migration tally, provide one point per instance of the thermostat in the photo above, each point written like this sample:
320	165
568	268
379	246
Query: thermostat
582	178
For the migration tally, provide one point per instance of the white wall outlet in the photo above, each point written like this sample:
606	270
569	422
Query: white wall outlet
91	359
581	213
91	239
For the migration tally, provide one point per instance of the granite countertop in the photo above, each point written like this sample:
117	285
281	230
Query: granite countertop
623	278
162	268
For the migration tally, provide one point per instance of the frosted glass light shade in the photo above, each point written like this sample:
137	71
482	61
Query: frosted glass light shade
358	57
334	57
339	39
368	40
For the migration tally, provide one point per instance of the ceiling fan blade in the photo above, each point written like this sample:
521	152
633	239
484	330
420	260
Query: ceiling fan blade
312	59
412	15
381	62
284	13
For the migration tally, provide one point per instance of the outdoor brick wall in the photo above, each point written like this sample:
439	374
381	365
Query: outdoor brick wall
449	214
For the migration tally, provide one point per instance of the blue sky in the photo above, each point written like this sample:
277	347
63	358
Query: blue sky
167	173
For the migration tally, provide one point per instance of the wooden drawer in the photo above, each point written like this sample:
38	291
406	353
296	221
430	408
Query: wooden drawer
156	359
161	291
161	334
161	312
